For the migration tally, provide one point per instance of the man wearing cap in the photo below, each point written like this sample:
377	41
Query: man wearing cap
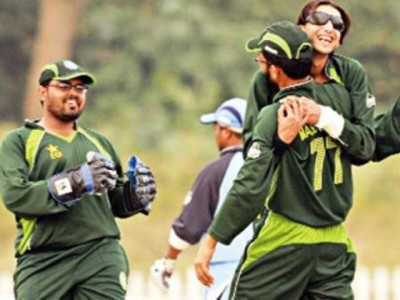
65	186
301	184
327	24
204	200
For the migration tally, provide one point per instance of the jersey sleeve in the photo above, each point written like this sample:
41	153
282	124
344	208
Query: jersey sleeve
358	134
260	95
245	200
21	195
387	128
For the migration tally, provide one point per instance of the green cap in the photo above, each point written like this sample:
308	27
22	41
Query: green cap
282	40
64	70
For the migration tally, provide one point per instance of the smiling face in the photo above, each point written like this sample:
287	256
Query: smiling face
325	38
61	103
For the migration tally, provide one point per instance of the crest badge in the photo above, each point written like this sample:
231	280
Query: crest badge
254	151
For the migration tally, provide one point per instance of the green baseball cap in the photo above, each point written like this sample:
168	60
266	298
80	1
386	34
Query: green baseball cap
64	70
283	40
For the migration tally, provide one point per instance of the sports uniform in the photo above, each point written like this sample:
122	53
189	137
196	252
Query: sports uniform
66	247
300	249
343	70
307	201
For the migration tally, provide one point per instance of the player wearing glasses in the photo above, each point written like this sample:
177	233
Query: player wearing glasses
326	24
65	186
301	185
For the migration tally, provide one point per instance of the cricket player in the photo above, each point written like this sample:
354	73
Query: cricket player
65	185
327	24
303	185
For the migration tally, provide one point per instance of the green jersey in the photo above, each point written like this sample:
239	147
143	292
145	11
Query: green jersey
310	183
387	127
29	156
343	70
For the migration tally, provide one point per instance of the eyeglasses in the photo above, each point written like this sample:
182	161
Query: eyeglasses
257	60
66	87
321	18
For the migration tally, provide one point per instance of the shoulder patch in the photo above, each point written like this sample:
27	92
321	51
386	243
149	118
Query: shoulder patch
371	101
254	151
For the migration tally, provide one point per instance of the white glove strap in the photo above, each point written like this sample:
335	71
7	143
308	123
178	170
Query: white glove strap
176	242
331	122
169	264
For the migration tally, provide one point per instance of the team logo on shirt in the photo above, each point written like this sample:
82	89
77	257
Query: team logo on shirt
254	151
371	101
55	153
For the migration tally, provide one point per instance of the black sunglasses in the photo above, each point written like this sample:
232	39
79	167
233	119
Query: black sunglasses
321	18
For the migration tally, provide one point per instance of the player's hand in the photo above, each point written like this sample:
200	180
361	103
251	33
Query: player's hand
291	118
202	261
94	177
142	181
103	172
161	272
312	109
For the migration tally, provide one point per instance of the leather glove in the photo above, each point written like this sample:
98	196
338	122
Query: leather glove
142	181
161	272
94	177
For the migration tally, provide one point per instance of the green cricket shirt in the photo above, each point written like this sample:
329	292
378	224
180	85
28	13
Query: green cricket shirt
343	70
311	183
28	157
387	127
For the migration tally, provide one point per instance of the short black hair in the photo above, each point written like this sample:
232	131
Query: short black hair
294	68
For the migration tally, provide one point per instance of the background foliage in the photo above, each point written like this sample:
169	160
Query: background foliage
159	64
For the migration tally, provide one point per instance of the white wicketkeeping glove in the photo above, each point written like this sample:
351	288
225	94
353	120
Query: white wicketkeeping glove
161	272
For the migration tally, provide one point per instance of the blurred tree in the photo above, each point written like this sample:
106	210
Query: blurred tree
163	61
19	22
58	25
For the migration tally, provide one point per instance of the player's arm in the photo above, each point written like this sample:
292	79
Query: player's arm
260	94
203	258
358	132
22	195
387	128
246	198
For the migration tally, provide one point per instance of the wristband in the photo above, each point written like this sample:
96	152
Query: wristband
280	146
